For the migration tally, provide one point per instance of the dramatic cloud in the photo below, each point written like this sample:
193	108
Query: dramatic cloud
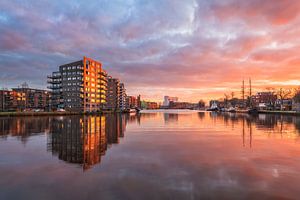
193	49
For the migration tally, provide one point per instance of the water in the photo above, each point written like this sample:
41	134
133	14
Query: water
153	155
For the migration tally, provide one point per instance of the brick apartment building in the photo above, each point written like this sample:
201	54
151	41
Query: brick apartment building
24	98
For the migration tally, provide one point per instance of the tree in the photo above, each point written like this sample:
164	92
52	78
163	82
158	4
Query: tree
226	99
201	103
271	99
283	94
296	96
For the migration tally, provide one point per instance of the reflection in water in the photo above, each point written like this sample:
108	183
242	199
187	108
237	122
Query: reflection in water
184	155
23	127
170	118
84	140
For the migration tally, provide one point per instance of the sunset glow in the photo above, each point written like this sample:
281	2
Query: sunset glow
193	49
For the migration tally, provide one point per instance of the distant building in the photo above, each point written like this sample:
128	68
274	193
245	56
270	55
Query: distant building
266	99
214	103
183	105
79	86
168	99
284	104
132	101
151	105
295	105
139	101
113	93
122	97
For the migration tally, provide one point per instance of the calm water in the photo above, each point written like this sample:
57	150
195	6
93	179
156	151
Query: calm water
154	155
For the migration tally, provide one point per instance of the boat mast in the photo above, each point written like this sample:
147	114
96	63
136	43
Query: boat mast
243	93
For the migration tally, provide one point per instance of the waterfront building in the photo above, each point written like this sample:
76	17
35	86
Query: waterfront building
32	99
284	104
264	99
182	105
79	86
113	93
132	101
151	105
139	101
8	100
168	99
122	97
24	98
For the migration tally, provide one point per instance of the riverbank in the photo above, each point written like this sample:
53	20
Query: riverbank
20	114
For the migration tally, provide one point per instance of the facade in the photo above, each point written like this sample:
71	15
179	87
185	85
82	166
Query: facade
113	93
122	98
152	105
79	86
11	100
182	105
132	102
31	99
20	99
56	100
139	101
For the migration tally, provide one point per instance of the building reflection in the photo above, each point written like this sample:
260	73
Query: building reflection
23	127
283	125
170	118
84	140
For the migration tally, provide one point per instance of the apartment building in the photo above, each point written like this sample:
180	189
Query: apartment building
122	98
32	99
113	93
9	100
79	86
24	98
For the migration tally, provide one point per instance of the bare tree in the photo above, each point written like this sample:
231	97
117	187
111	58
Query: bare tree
296	96
283	94
232	95
201	103
271	99
226	99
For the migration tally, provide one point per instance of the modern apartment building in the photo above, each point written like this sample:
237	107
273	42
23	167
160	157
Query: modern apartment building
79	86
9	100
113	93
122	98
24	98
31	99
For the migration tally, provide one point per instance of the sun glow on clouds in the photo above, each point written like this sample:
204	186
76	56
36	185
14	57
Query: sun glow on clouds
194	49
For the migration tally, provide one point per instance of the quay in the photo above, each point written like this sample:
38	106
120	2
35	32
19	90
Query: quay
28	114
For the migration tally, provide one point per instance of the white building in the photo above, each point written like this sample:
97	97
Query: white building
167	100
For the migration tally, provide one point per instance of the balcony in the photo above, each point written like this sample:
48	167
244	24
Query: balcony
53	87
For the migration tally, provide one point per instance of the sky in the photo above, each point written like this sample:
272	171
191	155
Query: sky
193	49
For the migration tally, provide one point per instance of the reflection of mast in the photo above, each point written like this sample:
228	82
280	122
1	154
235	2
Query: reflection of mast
250	135
243	132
